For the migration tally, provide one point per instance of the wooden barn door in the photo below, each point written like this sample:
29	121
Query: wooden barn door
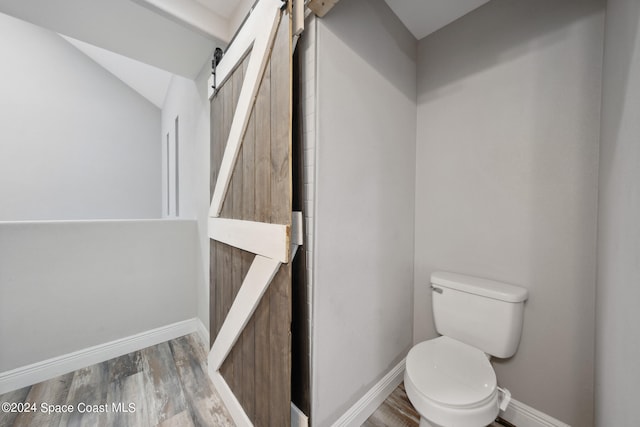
254	234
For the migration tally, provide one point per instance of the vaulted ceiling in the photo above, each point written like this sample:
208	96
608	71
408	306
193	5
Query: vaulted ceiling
176	36
179	36
423	17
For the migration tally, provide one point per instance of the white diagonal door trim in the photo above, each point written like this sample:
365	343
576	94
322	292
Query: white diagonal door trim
255	284
261	30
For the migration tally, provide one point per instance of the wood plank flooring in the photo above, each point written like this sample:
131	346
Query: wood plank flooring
166	385
397	411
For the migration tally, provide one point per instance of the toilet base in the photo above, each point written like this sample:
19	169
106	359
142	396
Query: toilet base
425	423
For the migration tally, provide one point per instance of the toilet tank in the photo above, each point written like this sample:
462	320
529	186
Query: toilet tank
482	313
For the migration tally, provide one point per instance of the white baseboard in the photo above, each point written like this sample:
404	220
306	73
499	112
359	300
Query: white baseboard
521	415
51	368
298	418
367	405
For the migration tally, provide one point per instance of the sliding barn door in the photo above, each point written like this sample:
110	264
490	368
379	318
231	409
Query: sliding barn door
250	221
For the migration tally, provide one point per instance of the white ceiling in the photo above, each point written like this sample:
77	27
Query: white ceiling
155	32
141	42
125	27
223	8
423	17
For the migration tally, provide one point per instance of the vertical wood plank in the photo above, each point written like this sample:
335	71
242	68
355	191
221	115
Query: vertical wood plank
245	66
213	331
226	369
216	142
215	121
263	150
224	118
249	174
261	324
236	273
280	359
218	314
227	210
248	211
262	327
228	107
281	125
280	298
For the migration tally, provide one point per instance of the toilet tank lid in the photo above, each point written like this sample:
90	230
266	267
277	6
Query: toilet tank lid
483	287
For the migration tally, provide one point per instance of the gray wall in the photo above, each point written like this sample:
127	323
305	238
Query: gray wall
77	143
363	252
188	100
618	317
69	285
506	178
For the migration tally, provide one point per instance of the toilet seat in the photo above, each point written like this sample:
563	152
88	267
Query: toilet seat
451	373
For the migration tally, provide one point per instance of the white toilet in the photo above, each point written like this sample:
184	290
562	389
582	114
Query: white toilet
449	379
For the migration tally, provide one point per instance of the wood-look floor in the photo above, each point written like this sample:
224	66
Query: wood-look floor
397	411
165	385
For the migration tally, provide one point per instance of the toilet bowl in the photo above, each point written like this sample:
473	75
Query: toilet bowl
449	379
452	383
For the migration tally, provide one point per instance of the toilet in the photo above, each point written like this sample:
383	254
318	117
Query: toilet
449	379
